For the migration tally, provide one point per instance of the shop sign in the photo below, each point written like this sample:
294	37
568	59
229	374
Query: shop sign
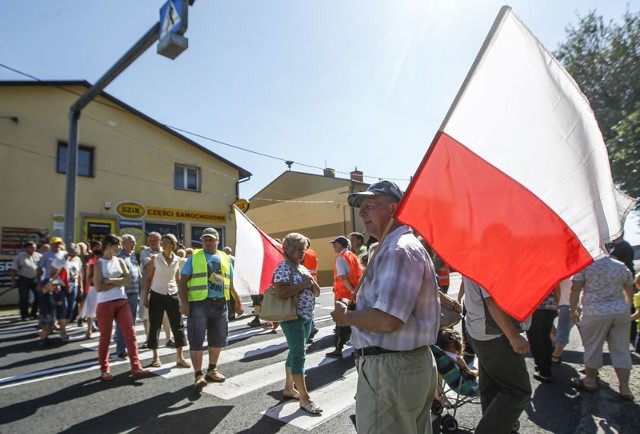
130	210
242	204
184	214
13	239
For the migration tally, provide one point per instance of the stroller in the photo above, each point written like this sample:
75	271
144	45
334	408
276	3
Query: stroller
455	388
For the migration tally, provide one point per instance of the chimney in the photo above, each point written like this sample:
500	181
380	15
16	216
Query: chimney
357	175
330	173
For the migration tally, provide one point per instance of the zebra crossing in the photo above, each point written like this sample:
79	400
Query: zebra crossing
336	396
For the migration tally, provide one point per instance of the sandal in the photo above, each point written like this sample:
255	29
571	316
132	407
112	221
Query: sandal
627	397
294	396
106	376
312	408
183	364
156	364
140	373
579	384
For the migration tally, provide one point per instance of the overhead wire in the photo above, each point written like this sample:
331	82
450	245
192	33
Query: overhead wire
191	133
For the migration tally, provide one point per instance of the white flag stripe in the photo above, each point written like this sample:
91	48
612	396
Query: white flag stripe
561	157
333	398
247	268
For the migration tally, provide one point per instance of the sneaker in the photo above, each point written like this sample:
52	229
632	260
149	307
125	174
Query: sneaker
543	378
312	335
199	384
122	356
335	354
214	376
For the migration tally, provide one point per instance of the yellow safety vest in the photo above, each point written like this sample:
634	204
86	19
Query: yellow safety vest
198	284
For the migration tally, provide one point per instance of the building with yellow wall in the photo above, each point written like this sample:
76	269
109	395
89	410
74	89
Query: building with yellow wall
135	174
313	205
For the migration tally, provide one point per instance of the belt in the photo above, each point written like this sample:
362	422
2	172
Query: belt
373	351
376	351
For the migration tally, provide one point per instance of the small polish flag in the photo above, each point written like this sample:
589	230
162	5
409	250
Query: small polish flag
515	191
257	256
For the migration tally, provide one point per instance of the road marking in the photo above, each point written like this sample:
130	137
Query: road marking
228	355
333	398
258	378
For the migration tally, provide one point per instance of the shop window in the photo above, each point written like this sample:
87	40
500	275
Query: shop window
85	159
186	178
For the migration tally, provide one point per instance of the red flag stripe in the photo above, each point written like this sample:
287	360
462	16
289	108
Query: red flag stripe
477	217
271	258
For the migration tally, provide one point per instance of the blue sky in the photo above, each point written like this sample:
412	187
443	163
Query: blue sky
331	83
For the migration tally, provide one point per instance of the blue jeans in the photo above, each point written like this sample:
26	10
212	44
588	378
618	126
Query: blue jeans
132	298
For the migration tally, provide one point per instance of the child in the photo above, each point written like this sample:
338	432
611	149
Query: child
450	343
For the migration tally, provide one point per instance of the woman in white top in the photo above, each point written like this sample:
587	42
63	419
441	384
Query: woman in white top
109	278
160	295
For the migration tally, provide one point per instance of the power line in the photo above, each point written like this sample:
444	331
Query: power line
201	136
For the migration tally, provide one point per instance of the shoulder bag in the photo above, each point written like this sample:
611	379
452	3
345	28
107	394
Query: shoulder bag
279	309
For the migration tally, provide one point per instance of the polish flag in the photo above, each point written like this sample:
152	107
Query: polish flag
257	256
515	191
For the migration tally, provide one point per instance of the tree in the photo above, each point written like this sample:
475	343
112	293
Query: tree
604	59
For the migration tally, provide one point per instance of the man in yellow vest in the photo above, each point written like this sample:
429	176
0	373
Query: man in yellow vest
206	284
346	274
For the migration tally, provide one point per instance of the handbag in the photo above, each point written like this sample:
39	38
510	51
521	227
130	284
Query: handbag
279	309
450	311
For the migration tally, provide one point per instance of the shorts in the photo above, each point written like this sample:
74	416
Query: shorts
257	300
207	317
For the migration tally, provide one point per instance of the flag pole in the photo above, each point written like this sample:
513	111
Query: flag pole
373	256
279	248
488	41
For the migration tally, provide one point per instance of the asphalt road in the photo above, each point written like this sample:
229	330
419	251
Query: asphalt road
56	389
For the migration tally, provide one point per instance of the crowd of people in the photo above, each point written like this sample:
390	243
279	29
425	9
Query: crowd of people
387	295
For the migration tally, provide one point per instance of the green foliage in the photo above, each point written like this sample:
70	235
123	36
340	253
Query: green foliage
604	59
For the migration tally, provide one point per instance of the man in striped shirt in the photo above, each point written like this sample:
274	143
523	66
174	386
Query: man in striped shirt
396	318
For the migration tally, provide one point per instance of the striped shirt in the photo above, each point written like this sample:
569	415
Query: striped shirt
401	282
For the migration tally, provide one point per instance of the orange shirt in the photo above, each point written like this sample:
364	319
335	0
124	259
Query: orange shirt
310	261
355	271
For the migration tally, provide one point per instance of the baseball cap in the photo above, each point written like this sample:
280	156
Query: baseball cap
210	232
376	189
55	240
342	240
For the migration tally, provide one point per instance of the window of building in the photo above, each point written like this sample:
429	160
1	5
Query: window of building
85	159
186	178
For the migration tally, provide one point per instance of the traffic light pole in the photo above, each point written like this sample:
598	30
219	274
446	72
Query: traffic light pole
74	115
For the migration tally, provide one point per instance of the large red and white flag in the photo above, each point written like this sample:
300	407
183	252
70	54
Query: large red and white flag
515	191
257	256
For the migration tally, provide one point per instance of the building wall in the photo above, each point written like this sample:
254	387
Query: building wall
133	161
313	205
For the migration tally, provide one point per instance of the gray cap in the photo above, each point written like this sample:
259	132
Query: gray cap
379	188
74	249
210	232
171	237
